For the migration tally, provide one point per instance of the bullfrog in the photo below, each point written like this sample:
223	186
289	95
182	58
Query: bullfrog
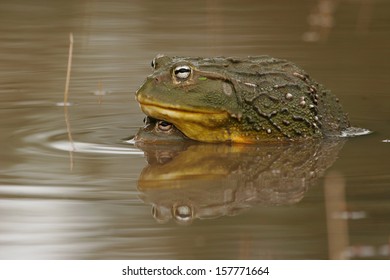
240	100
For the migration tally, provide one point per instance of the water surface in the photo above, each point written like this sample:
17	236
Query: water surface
101	198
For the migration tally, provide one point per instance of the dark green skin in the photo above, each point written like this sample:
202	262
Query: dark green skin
265	97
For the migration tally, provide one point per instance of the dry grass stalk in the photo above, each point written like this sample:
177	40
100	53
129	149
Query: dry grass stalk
66	104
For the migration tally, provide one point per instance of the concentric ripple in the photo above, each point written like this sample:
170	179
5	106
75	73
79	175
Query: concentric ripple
59	140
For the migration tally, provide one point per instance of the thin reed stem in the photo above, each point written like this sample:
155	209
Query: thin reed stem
66	104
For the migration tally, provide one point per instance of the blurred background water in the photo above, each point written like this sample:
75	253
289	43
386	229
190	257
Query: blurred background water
90	200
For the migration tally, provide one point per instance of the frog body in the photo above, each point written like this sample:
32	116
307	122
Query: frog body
240	100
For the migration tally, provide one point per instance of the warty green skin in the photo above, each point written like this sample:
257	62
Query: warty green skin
264	98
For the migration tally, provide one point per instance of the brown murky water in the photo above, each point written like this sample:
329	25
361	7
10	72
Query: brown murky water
100	199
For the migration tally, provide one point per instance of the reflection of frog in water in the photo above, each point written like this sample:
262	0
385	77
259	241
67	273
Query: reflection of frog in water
192	180
240	100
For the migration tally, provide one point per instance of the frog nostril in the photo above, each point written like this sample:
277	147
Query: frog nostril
157	79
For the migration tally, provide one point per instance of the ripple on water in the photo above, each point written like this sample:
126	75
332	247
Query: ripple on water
59	140
93	148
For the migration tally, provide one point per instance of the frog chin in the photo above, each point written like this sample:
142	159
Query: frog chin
202	125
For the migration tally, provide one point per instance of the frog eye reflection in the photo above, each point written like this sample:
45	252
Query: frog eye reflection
164	126
183	214
182	72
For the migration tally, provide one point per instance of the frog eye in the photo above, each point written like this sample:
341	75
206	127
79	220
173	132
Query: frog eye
182	72
164	126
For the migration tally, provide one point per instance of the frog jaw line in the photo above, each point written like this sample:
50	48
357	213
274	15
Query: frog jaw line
178	115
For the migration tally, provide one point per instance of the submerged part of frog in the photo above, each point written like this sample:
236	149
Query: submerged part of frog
157	132
240	100
199	181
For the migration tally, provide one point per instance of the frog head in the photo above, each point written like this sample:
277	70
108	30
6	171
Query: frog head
200	103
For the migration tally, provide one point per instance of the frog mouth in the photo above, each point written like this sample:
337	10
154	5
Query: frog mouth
201	124
180	115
